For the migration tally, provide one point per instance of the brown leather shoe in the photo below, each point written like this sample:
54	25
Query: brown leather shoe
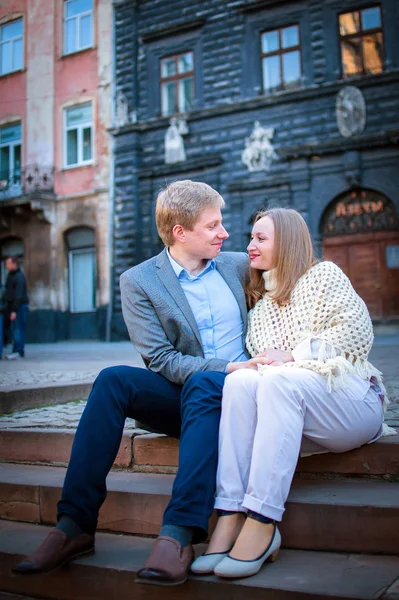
168	563
56	551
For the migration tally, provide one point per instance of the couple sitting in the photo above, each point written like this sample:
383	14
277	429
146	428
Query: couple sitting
308	386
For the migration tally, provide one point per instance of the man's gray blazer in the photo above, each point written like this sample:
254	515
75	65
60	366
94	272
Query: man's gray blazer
160	321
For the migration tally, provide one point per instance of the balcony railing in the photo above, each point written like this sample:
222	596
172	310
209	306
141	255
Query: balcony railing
30	179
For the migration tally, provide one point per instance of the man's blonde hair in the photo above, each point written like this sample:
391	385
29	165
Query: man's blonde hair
181	203
293	255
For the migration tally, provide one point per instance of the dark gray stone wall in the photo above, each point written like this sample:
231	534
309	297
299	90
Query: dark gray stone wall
315	162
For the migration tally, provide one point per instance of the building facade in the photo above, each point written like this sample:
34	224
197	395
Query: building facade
289	103
55	112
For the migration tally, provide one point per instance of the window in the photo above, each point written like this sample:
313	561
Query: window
78	25
10	156
82	269
11	46
177	83
78	135
281	59
361	40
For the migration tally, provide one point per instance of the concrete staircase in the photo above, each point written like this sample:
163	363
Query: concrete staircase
340	530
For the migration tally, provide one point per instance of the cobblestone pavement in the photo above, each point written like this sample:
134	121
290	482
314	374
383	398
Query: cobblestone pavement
59	416
75	358
64	362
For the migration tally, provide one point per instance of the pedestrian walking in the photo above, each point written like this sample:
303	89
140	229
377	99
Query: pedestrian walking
17	306
2	311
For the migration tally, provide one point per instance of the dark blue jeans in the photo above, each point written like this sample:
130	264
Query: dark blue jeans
18	327
191	412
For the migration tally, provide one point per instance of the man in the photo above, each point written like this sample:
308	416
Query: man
2	310
17	305
185	312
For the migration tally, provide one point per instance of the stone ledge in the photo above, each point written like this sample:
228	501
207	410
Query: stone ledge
21	399
191	164
328	88
171	30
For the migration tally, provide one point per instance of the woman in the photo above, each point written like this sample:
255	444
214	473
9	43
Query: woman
317	392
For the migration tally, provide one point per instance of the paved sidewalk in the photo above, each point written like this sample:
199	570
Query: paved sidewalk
82	361
64	362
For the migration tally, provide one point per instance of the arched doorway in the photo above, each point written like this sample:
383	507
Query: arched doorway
361	234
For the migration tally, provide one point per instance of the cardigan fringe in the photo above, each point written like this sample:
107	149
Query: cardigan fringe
325	307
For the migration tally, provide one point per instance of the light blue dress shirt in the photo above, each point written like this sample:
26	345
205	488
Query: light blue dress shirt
216	311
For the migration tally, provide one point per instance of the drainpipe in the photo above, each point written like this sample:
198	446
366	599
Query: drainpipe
110	309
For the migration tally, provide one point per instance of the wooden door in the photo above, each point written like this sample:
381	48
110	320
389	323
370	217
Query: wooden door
370	267
366	275
338	255
389	252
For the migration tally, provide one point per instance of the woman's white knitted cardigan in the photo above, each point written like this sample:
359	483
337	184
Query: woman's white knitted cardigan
324	307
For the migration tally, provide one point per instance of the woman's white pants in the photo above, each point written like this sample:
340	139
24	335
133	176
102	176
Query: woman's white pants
268	418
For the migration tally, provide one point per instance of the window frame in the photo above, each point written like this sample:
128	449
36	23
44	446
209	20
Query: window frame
11	159
176	78
79	16
71	253
12	40
80	128
280	52
361	34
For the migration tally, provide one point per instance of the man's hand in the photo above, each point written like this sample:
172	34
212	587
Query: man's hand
13	316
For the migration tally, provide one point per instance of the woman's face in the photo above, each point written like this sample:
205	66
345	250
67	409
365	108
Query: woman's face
261	246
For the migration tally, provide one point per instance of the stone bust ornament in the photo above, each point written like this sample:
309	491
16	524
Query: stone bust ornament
350	111
174	143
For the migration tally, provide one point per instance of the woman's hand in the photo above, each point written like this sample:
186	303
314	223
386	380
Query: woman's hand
252	363
275	356
272	357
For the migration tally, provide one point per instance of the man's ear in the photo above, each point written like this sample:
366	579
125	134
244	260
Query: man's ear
179	234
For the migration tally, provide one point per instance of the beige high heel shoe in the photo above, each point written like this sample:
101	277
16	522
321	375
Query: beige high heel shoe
234	567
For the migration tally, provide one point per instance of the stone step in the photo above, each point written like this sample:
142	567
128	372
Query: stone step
157	453
7	596
331	515
110	573
381	458
23	398
51	446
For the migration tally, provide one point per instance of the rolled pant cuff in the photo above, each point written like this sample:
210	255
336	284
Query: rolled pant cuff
229	504
262	508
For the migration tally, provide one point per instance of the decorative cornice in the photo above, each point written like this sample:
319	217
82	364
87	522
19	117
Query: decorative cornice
170	30
246	185
118	3
191	164
299	95
390	137
256	5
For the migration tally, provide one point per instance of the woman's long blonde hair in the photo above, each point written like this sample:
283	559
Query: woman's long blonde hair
293	255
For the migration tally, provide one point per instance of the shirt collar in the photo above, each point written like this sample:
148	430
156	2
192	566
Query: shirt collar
181	271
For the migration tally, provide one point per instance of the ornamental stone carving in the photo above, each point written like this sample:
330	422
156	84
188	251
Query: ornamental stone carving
259	151
174	143
121	110
350	110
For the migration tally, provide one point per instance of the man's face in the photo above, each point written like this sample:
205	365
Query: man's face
206	239
10	265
